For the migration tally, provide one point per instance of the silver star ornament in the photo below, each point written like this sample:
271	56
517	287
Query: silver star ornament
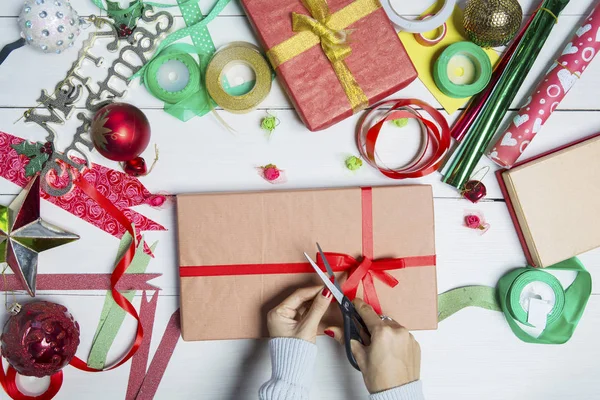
23	234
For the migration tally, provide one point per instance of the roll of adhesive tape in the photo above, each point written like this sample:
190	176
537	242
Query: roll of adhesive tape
244	53
173	77
419	26
462	70
425	41
538	285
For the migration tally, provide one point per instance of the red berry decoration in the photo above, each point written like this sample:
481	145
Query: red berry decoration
124	31
120	131
136	167
40	339
474	191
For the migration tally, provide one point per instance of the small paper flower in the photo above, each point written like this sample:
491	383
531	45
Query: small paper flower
475	220
400	122
353	163
272	174
269	123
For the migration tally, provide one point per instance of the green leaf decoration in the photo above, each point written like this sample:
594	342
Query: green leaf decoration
125	16
36	164
28	149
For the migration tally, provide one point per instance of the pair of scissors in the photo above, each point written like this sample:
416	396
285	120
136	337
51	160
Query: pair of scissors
354	326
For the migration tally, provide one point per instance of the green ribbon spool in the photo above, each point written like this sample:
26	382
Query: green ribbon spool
172	97
561	321
514	306
481	64
193	100
565	315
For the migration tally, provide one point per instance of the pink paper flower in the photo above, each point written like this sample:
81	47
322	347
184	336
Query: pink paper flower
476	220
472	221
272	174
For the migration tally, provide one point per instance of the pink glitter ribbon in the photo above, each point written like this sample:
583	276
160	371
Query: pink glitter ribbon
545	98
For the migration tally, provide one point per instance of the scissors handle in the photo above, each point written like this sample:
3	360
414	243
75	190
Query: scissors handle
353	327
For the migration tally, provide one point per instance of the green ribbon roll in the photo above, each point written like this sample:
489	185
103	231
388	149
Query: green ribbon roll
475	58
567	309
193	99
185	32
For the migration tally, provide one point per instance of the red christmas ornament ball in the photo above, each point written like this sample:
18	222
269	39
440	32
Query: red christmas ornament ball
41	339
120	131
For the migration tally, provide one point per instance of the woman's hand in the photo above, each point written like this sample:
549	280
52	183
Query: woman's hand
392	359
299	315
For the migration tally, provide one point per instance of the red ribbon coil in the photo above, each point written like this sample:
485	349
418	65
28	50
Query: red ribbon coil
9	384
118	272
437	142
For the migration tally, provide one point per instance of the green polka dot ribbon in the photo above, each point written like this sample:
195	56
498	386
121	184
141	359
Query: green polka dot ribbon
197	30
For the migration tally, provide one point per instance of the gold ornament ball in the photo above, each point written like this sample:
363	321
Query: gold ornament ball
492	23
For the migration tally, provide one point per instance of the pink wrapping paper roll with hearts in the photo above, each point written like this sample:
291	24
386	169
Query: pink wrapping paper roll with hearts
544	99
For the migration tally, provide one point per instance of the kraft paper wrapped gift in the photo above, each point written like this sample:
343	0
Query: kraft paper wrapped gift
241	254
377	61
554	202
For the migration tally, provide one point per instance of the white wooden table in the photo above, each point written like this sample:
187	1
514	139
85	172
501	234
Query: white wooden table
473	355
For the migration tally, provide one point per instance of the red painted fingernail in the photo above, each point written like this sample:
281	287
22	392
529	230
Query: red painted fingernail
329	333
326	293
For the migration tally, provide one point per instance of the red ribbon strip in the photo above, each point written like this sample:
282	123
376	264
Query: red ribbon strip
363	271
437	140
9	384
118	272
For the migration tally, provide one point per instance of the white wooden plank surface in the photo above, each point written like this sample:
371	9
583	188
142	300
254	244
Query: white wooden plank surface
473	355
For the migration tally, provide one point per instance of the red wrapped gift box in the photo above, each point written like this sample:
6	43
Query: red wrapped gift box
371	54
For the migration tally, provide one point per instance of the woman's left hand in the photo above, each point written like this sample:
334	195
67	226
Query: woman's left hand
299	315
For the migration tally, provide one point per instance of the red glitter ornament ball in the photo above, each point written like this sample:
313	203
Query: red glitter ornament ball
41	339
136	167
120	131
474	191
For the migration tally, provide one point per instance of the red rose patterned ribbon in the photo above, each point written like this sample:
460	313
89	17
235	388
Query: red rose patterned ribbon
121	189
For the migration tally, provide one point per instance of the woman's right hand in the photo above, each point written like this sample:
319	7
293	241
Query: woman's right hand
392	359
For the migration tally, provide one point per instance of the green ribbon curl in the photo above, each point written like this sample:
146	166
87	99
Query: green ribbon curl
562	319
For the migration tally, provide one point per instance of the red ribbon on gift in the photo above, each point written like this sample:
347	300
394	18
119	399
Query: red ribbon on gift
364	271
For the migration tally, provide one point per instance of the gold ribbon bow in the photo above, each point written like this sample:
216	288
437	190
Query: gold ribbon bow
327	29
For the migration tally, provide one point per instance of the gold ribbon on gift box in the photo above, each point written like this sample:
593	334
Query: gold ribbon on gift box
328	30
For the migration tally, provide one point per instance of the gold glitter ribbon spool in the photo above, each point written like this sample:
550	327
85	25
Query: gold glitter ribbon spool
327	29
242	53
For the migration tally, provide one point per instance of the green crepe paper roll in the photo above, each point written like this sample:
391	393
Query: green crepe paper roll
460	165
561	321
481	64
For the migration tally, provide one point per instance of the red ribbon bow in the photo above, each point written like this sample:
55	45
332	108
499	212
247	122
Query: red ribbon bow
365	270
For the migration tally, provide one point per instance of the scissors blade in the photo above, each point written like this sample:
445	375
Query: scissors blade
329	269
332	288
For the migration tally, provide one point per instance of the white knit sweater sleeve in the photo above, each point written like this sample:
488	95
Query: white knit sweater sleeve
292	363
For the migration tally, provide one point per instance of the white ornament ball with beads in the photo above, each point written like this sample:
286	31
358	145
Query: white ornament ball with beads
51	26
